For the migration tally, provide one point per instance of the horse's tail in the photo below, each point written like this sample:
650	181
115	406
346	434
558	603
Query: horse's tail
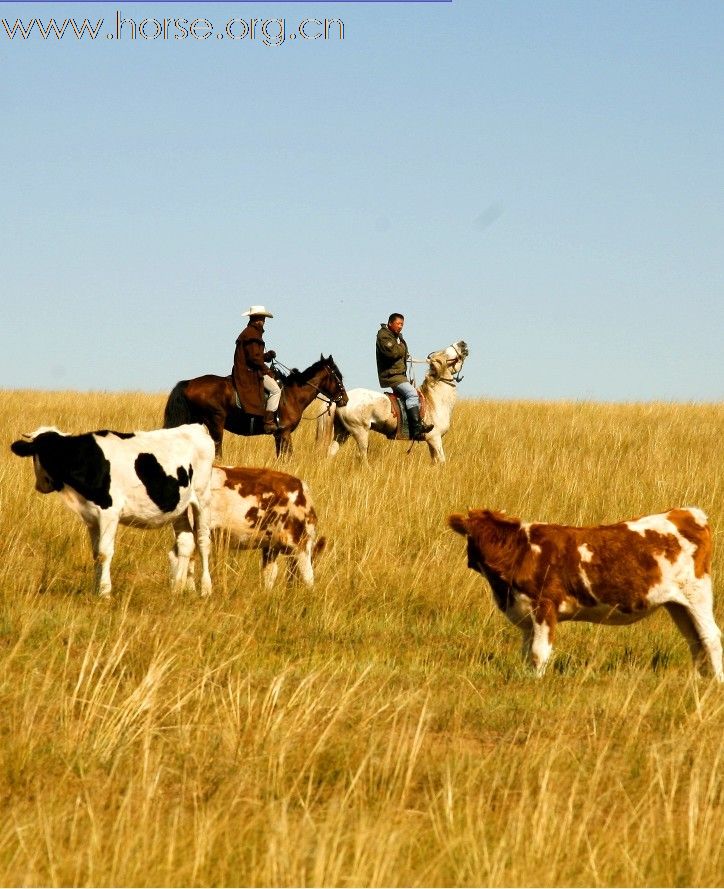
325	428
178	410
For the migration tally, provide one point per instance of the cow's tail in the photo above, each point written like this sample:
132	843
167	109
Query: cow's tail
178	410
325	428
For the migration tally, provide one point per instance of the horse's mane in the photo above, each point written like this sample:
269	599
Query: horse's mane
297	377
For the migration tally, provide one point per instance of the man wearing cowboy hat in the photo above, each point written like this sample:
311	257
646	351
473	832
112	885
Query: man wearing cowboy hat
258	391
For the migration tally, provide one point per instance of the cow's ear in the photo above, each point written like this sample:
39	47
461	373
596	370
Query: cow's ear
458	523
496	517
23	448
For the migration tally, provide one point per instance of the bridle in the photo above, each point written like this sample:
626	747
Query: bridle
337	400
455	376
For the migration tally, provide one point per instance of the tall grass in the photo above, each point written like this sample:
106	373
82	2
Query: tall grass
380	729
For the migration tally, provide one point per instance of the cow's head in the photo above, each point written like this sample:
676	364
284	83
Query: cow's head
43	446
494	540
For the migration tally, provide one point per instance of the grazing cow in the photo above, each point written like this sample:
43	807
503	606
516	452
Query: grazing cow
610	574
266	510
146	479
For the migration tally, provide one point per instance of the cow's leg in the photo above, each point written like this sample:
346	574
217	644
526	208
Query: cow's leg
696	623
303	562
269	566
103	541
94	532
526	628
191	574
683	620
202	538
540	635
182	551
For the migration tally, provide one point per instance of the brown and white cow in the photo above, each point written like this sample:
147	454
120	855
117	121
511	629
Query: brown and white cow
266	510
541	574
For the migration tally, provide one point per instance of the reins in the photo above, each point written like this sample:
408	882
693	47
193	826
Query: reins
322	395
452	380
456	377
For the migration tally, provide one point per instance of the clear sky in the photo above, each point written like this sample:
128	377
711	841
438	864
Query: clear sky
542	179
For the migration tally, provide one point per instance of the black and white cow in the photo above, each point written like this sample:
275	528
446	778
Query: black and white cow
147	479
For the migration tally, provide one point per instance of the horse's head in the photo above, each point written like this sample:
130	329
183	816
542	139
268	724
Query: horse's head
446	364
331	383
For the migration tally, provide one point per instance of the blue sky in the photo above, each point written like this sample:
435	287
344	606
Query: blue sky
543	180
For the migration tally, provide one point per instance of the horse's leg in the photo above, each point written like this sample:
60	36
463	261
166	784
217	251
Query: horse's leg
283	442
341	434
215	425
361	435
214	422
325	430
434	442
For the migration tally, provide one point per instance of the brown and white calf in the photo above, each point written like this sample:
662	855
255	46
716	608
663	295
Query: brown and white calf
541	574
266	510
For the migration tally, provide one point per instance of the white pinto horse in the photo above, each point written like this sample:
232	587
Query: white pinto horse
367	409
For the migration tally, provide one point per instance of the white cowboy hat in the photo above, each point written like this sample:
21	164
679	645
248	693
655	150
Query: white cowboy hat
257	310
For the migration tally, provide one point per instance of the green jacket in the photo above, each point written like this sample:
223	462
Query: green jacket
392	357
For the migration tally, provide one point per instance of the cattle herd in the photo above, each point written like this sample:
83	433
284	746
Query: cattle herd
540	574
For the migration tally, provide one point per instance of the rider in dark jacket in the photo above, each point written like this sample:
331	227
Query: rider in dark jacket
256	387
392	358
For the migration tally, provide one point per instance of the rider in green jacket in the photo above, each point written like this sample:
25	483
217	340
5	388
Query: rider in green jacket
392	357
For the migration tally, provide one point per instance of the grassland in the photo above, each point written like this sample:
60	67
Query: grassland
381	729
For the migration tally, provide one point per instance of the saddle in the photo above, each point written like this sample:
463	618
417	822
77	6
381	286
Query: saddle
240	421
402	430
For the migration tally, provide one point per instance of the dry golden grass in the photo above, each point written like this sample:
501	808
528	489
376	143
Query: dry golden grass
380	730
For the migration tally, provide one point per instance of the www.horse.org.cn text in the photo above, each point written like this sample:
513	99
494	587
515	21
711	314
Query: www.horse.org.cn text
269	32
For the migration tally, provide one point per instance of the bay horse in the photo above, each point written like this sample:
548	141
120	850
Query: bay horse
211	400
368	409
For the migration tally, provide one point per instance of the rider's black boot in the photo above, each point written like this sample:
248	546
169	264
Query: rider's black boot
417	427
270	422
